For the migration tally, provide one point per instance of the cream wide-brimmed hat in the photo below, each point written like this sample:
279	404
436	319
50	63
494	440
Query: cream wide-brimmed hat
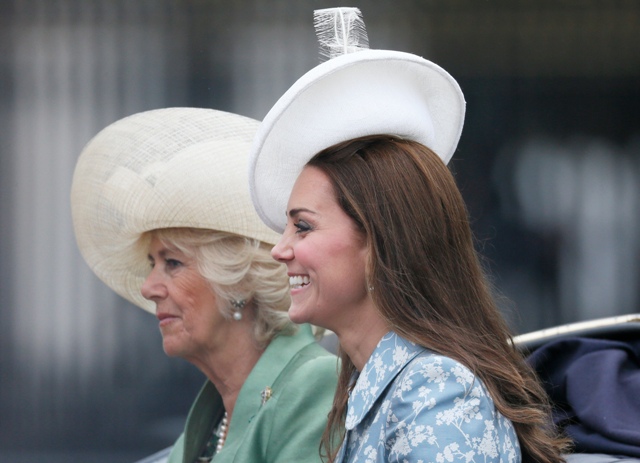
173	167
357	92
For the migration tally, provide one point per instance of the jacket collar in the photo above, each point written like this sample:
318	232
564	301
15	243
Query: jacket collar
387	360
208	408
264	374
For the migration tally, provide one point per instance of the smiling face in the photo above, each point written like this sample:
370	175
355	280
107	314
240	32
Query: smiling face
186	305
325	254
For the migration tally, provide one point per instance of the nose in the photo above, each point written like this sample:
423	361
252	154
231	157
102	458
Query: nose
153	288
282	251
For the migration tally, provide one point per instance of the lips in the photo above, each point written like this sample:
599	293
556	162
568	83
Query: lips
165	318
298	281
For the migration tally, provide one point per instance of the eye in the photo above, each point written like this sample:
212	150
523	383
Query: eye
172	263
302	226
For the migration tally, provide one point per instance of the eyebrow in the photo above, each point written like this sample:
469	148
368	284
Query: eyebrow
162	254
296	211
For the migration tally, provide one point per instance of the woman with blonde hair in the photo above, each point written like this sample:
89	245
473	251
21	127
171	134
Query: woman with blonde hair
379	249
162	215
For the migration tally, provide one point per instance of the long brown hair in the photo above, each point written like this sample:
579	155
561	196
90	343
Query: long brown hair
429	284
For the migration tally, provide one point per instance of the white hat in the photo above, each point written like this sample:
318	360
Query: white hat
363	92
174	167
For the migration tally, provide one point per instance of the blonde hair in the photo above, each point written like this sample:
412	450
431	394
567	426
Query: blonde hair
237	268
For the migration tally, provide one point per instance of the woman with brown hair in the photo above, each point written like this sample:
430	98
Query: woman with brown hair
379	250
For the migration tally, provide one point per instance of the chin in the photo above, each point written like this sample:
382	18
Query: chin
168	352
170	349
298	316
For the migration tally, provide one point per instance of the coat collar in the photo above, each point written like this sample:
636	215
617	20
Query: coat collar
264	374
208	408
387	360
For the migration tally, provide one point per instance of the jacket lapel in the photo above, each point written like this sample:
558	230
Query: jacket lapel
259	384
388	359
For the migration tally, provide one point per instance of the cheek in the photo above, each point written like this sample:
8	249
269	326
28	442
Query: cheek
355	268
347	265
196	298
186	297
311	255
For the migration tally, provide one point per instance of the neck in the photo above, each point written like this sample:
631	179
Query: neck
228	364
360	339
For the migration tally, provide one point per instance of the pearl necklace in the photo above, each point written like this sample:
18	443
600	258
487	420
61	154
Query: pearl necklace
222	432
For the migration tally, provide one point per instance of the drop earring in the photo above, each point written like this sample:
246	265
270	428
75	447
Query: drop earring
237	308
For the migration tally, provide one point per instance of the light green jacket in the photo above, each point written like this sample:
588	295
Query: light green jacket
288	427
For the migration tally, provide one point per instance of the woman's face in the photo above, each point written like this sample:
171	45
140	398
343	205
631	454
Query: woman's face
325	255
186	305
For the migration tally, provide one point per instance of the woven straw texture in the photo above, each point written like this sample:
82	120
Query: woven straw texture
173	167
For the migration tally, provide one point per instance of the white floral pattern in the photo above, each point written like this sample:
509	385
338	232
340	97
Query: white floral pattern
410	405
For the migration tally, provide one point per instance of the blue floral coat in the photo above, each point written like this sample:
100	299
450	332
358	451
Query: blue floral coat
410	405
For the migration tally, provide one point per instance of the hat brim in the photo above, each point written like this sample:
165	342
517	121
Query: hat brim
165	168
370	92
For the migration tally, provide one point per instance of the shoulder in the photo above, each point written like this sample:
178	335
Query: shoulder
298	409
438	371
309	378
314	367
438	388
440	401
308	356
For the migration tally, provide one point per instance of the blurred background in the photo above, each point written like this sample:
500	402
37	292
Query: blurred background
549	164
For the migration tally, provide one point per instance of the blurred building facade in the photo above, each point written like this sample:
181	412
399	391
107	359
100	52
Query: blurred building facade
549	163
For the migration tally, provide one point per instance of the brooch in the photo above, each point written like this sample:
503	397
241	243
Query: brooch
265	394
